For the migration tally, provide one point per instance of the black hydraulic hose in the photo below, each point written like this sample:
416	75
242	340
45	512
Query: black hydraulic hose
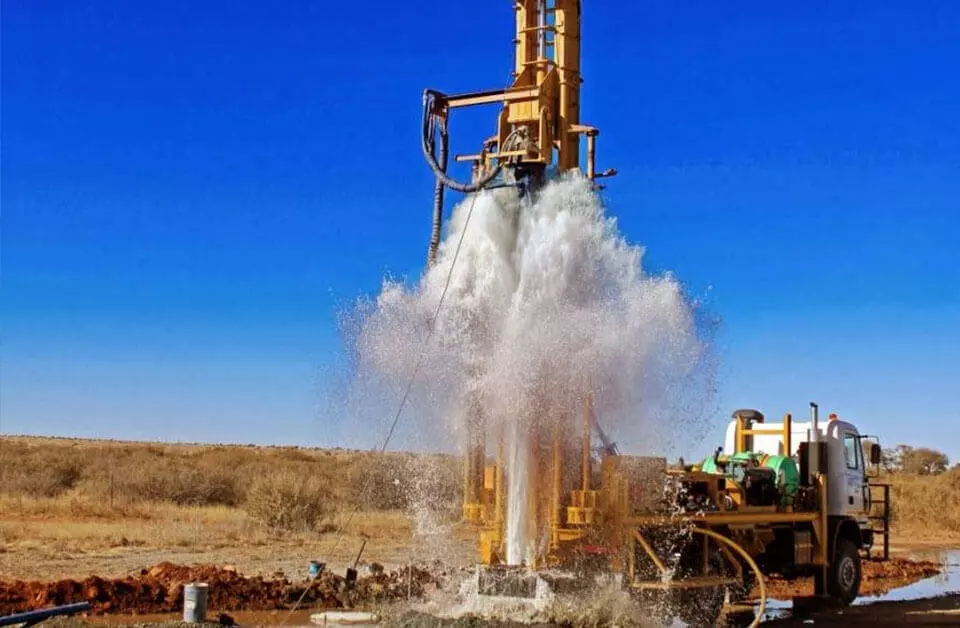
429	96
437	201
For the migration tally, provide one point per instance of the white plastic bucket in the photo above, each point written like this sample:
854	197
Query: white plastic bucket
195	602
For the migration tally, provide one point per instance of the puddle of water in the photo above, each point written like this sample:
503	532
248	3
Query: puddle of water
946	582
777	609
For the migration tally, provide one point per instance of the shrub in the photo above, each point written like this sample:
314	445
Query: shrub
401	481
37	473
144	476
382	483
180	485
288	501
924	503
121	476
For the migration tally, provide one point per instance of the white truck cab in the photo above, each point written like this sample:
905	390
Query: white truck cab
808	454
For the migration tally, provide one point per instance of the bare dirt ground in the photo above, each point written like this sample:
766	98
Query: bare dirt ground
291	555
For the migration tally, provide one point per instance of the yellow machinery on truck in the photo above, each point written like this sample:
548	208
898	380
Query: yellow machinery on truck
791	498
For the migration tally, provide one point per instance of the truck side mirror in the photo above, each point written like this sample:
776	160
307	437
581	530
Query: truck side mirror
875	453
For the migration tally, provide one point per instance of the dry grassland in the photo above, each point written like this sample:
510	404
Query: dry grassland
73	507
69	508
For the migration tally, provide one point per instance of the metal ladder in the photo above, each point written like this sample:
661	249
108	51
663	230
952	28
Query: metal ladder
884	518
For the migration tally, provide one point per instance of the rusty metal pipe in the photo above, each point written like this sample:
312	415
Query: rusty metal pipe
591	155
585	443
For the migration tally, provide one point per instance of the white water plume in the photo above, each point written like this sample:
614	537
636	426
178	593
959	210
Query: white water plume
546	302
518	462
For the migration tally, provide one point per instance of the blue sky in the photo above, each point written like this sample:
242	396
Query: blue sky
191	191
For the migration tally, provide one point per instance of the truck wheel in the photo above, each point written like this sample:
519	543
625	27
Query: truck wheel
844	573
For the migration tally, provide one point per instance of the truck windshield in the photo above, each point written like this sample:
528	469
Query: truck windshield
851	451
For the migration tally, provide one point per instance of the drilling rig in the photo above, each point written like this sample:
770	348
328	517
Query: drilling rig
792	497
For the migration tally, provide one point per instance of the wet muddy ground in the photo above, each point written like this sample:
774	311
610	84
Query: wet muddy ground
878	577
929	601
943	610
897	592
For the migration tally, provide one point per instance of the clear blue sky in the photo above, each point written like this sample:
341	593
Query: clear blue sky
191	190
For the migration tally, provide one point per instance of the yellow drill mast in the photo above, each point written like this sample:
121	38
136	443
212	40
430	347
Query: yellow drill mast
539	122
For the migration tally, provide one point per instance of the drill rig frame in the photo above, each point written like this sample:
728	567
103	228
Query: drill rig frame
539	121
538	126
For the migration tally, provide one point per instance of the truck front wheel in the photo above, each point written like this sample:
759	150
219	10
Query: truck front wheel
845	572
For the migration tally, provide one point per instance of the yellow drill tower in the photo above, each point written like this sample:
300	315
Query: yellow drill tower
539	121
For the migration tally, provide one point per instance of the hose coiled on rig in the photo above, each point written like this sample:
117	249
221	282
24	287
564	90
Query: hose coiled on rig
438	163
437	226
429	97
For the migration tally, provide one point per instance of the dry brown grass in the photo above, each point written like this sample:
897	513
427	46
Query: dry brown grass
66	496
926	506
71	503
116	476
171	527
284	501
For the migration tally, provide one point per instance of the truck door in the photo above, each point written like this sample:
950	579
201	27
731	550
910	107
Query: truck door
855	478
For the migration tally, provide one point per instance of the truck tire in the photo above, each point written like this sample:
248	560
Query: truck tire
843	582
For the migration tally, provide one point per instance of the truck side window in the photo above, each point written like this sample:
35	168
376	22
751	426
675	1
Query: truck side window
850	446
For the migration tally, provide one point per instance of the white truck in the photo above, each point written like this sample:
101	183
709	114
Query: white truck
849	499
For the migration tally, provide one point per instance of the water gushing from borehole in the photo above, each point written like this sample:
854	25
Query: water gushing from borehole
547	301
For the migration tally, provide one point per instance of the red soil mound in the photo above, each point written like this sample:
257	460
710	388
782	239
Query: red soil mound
160	589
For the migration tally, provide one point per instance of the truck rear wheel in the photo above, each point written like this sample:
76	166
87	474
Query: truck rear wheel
845	571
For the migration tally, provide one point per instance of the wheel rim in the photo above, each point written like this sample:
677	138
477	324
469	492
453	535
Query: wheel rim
847	573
